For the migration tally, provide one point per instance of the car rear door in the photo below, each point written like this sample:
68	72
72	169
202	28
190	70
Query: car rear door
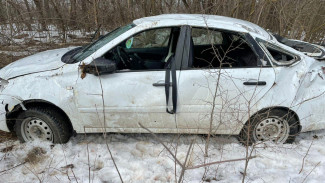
220	99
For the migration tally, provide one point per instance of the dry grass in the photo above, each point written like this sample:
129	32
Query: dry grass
35	155
5	136
6	59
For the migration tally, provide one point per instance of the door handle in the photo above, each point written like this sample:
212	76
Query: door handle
261	83
161	84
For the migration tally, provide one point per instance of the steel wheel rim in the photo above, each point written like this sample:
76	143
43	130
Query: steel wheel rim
272	129
35	128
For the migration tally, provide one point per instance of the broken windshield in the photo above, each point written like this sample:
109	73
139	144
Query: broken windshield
90	49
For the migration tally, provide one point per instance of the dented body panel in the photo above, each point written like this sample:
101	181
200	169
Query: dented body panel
118	102
7	103
40	62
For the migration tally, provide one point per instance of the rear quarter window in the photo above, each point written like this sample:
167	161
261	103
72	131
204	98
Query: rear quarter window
279	56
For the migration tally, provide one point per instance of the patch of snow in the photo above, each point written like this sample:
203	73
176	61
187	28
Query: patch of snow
15	53
140	158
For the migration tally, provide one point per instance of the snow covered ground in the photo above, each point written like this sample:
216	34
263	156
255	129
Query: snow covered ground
140	158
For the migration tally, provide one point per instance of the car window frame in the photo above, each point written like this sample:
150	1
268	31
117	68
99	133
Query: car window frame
264	44
259	53
80	56
148	70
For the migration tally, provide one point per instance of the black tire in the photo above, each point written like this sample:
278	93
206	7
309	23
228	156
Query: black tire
54	122
248	134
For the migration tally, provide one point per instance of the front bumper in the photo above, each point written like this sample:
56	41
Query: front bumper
3	112
7	104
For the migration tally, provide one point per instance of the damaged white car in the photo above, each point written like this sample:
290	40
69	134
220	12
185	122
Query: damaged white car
195	74
312	50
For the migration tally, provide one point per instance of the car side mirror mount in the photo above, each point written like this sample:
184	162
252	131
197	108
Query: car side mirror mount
100	66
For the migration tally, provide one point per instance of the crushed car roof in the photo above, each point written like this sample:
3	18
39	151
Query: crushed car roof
202	20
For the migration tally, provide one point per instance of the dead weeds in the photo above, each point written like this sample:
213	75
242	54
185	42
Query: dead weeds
7	149
35	155
11	53
5	136
7	59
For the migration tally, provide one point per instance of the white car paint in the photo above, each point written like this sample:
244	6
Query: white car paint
141	102
40	62
130	98
231	102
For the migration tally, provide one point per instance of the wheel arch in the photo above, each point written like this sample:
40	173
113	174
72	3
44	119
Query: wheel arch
12	115
279	108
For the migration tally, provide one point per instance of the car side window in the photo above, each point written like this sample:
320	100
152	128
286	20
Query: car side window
156	38
221	49
279	55
147	50
202	37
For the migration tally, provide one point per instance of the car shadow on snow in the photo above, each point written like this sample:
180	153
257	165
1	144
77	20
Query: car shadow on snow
312	135
185	139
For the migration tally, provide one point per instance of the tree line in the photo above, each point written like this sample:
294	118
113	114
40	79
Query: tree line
298	19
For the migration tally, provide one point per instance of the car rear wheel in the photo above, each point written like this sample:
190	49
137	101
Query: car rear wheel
44	124
275	125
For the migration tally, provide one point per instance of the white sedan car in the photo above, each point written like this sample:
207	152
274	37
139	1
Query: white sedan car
198	74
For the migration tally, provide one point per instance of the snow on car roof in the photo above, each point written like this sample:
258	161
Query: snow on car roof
202	20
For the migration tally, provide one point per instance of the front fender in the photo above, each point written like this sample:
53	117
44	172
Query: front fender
7	104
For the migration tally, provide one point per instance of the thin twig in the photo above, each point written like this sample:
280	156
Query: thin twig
88	162
184	165
157	138
12	167
219	162
175	163
310	172
114	162
303	160
74	175
105	132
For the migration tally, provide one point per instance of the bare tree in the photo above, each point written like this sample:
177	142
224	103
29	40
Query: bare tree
40	11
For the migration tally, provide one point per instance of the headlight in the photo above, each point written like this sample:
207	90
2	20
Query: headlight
3	84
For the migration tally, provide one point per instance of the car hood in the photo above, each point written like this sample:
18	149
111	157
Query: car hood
40	62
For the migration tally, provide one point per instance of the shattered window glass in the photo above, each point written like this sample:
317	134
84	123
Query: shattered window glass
156	38
280	56
202	36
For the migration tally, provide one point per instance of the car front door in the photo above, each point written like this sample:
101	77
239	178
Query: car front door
136	93
223	83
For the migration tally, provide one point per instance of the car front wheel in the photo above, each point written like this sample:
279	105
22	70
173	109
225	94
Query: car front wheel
43	124
274	125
